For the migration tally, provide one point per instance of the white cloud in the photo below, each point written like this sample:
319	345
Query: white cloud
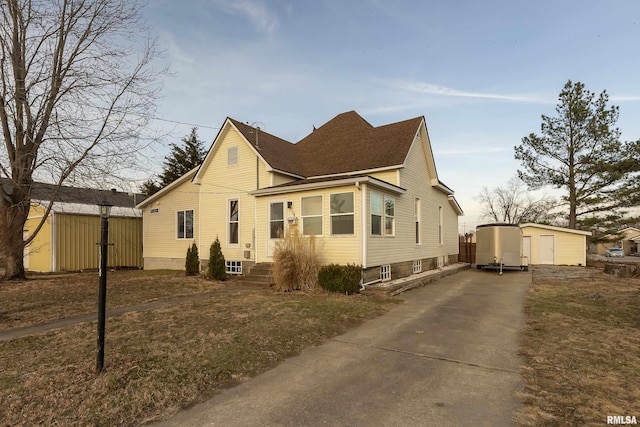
263	19
433	89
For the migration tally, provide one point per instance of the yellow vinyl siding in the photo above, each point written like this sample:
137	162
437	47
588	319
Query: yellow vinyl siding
341	249
221	183
160	229
570	248
415	179
39	250
390	176
279	179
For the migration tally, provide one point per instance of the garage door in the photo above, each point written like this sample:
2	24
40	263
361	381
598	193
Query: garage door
547	249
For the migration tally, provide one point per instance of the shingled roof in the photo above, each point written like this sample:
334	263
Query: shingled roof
87	196
347	143
279	153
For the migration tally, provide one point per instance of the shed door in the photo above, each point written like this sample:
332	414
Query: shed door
547	249
526	248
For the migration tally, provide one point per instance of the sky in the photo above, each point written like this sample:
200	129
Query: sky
481	72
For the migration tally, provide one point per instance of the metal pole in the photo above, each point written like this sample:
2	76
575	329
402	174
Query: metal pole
102	294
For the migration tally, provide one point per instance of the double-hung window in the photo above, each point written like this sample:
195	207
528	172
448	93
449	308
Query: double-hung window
389	216
382	214
185	224
376	213
342	213
440	225
234	221
417	213
312	216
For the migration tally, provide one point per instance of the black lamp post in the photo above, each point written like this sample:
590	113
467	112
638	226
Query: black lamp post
105	210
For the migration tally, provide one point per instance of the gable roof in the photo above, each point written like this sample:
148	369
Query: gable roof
348	143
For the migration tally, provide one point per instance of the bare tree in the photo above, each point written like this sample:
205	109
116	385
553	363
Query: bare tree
514	204
78	87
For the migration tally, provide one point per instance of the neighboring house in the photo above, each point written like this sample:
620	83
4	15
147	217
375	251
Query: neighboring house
545	244
630	242
370	196
68	240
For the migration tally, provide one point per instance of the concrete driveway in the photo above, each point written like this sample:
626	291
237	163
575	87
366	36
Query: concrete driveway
446	356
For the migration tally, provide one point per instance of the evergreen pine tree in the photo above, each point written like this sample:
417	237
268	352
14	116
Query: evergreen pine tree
179	161
216	269
192	262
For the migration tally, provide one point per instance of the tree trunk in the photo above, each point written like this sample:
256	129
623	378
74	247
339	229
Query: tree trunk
12	220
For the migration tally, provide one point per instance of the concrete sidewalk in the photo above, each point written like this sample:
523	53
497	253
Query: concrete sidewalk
447	356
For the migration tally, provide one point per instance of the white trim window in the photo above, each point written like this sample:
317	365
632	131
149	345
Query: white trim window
232	156
311	212
342	213
417	266
440	226
382	210
418	229
385	272
184	222
389	216
233	267
375	202
234	222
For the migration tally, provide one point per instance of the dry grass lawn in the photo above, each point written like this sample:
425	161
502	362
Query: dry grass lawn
156	361
582	348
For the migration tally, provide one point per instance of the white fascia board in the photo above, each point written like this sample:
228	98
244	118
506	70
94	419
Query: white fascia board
456	205
553	228
168	188
84	209
328	184
293	175
440	186
357	172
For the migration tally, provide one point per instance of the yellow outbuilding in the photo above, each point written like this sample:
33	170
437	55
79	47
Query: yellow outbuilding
67	240
546	244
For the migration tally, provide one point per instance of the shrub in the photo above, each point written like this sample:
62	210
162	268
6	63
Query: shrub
344	279
296	262
192	262
216	269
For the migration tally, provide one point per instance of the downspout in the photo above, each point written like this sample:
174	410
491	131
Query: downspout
363	223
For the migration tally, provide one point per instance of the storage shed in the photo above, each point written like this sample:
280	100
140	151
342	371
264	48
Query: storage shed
546	244
68	239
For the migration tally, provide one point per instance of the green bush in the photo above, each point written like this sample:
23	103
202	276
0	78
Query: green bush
216	269
296	262
192	262
344	279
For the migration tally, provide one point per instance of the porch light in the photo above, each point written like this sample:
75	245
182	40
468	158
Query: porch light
105	209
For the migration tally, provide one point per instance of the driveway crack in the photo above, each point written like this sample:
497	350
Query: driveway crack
429	356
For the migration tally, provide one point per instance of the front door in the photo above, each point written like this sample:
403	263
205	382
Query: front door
547	249
277	224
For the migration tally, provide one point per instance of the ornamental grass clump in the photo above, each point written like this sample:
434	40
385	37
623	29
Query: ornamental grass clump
296	262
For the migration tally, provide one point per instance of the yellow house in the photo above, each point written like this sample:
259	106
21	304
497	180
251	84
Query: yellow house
68	238
545	244
370	196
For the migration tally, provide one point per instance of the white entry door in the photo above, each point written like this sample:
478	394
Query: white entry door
547	249
526	248
277	224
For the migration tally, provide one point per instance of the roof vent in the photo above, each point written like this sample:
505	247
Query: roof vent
113	190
